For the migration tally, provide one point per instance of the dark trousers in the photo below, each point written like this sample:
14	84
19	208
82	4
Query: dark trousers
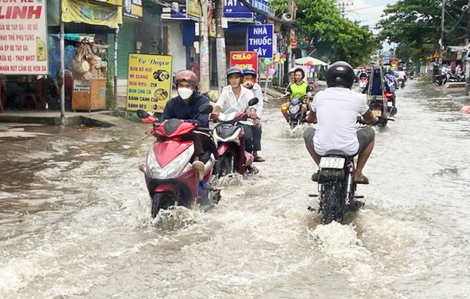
256	138
248	132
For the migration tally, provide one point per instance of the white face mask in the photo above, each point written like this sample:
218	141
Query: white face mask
185	93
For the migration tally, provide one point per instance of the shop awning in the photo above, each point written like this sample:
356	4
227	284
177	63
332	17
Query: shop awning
82	11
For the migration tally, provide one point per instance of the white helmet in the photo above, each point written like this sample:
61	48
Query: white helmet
292	70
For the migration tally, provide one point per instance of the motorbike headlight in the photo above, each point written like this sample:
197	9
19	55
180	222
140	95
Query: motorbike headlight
294	108
172	169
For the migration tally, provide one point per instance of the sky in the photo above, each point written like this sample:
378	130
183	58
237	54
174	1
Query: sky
367	12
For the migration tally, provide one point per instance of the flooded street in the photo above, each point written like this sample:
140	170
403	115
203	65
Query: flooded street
75	218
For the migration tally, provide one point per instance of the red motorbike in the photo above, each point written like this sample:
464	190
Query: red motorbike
170	178
230	137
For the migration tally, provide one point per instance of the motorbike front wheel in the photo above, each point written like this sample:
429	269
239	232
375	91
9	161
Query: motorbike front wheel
225	165
161	201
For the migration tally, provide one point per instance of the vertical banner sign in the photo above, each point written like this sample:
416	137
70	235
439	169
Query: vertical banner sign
243	59
260	39
23	37
149	82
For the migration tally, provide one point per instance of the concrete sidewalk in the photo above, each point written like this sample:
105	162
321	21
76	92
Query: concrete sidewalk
47	117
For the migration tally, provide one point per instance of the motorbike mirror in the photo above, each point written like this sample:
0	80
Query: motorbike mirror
253	101
141	113
206	109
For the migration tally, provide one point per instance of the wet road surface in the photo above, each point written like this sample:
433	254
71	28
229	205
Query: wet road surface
75	218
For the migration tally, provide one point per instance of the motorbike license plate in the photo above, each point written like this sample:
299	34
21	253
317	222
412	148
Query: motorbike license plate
332	162
377	113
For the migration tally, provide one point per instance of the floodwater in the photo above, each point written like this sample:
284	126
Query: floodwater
75	218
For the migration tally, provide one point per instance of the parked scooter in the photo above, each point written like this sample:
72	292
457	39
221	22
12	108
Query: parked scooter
230	138
170	178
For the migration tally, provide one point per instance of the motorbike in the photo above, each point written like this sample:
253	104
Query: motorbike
380	108
169	176
401	83
392	110
294	112
230	138
336	186
439	80
458	77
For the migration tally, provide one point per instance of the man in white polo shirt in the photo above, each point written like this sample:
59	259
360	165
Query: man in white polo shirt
335	111
236	96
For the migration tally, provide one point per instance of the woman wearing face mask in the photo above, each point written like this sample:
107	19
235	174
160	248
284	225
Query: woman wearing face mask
186	107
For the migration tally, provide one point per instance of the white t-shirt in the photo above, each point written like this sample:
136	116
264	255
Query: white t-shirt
401	74
337	109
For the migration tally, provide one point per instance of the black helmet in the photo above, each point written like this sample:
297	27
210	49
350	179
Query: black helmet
234	70
300	70
340	73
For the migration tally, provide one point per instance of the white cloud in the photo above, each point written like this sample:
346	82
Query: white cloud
366	13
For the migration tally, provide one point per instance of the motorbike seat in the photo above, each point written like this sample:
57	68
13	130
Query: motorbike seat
338	153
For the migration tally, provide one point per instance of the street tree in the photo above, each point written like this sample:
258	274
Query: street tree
416	26
332	35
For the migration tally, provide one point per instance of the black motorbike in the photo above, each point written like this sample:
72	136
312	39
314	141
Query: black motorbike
336	186
439	80
401	83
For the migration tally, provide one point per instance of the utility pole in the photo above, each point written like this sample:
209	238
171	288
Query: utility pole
220	47
342	7
204	79
467	61
441	40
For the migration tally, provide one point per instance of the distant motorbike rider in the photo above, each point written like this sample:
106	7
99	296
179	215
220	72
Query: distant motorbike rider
186	107
334	111
299	89
292	75
401	77
237	96
391	83
363	74
377	84
249	77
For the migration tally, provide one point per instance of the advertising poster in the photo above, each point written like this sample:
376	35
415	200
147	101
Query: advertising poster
133	9
148	82
23	38
243	59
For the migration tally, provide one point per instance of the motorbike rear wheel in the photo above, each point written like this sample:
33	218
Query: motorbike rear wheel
161	201
333	206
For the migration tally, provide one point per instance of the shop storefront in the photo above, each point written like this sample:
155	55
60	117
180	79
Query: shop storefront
87	26
141	32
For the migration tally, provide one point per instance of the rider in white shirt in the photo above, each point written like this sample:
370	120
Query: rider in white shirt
335	111
401	75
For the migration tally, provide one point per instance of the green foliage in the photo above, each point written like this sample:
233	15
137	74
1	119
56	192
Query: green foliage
415	26
334	37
